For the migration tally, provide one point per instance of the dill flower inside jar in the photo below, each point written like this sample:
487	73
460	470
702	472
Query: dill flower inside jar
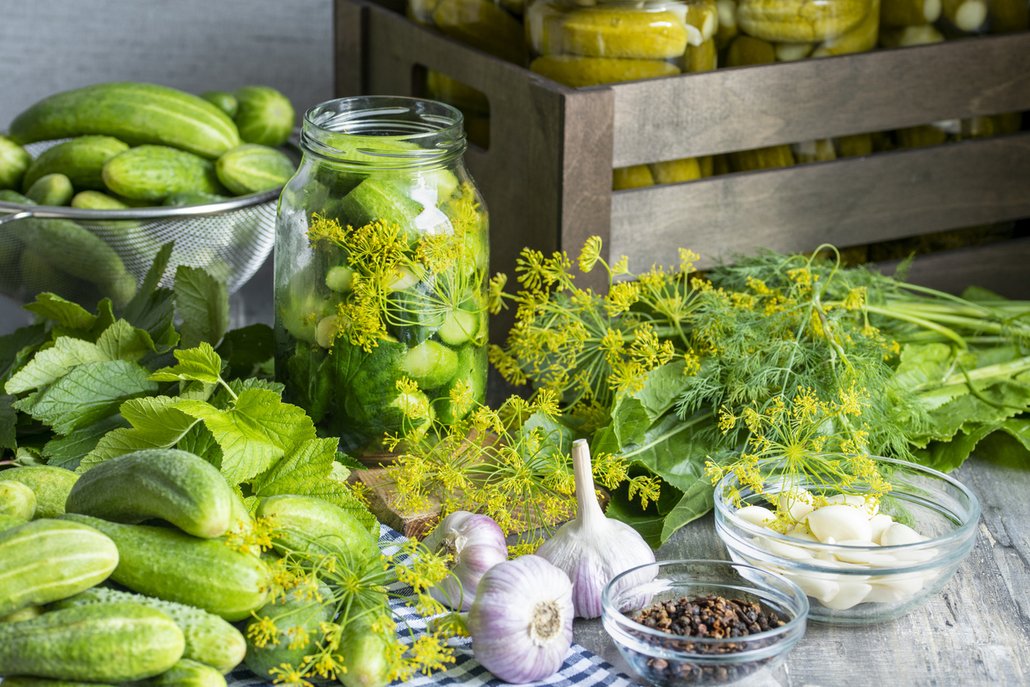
381	261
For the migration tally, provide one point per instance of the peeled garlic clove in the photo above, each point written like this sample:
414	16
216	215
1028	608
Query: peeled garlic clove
895	588
848	594
797	502
756	515
861	556
801	532
817	587
870	505
879	524
899	535
796	553
840	523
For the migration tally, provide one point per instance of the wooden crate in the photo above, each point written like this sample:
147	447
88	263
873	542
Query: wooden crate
547	172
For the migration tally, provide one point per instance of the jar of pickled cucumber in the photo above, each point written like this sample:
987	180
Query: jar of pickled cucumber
381	262
918	22
765	31
580	43
491	26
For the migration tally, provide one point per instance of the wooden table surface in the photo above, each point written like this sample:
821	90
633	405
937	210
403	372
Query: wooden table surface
975	632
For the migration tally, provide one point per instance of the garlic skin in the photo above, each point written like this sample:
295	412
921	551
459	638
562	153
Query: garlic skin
592	549
521	620
477	544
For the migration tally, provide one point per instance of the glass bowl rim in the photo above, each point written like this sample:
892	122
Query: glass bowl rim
723	511
797	599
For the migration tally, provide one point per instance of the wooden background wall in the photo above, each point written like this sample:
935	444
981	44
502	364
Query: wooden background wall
197	45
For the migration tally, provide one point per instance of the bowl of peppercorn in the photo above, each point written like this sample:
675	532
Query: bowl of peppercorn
698	622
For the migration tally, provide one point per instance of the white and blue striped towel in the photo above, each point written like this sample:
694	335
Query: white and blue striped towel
581	668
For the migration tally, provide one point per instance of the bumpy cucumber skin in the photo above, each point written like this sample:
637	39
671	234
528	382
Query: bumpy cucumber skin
17	499
14	161
114	642
252	168
174	566
136	113
79	159
315	526
48	560
210	640
51	189
187	673
50	484
95	200
263	115
153	172
24	681
27	613
172	485
365	652
290	611
226	102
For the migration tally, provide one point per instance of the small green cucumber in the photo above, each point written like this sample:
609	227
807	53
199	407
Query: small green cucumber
263	115
209	639
153	173
226	102
309	524
9	196
192	198
291	612
96	200
458	327
171	485
27	613
38	275
49	560
25	681
51	189
187	673
364	653
252	168
431	364
136	113
9	521
17	499
384	199
115	642
171	565
50	484
14	161
79	159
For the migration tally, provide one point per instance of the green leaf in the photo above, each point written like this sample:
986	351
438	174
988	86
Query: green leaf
309	471
949	455
50	364
18	346
254	433
153	307
1009	446
662	388
202	303
990	406
925	366
8	423
200	364
62	312
199	441
68	451
155	423
248	349
89	392
122	341
152	280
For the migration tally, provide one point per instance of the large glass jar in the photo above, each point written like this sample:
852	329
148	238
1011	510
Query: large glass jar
381	261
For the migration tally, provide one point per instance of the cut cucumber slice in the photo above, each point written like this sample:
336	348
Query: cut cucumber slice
458	327
339	278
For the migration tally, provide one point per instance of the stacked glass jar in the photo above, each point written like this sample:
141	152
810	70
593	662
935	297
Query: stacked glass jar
381	262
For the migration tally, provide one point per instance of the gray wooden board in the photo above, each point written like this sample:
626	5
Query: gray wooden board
197	45
737	109
975	632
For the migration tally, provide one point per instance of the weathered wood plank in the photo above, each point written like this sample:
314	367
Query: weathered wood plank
975	632
751	107
846	202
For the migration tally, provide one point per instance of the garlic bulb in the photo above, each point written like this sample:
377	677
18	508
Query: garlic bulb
477	544
521	620
592	549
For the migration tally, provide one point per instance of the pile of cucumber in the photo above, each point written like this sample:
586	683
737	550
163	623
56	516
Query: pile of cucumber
63	538
133	144
128	145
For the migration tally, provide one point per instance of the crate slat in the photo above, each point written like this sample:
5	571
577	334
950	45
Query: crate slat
846	202
739	109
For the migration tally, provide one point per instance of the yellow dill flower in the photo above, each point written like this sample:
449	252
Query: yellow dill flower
727	420
645	488
856	298
325	230
285	674
590	254
495	293
299	637
263	632
621	297
758	286
620	267
546	401
688	258
691	362
529	269
430	653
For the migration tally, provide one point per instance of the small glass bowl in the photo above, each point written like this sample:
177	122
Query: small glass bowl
875	583
664	659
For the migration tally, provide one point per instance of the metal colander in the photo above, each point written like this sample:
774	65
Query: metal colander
85	254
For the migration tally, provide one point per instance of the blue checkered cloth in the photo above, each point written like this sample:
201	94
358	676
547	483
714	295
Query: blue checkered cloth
581	667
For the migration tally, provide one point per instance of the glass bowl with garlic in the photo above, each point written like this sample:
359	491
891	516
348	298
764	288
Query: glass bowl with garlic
861	558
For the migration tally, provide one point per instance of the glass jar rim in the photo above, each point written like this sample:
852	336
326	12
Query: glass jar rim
376	132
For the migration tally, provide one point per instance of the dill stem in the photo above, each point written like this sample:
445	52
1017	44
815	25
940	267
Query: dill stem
922	322
962	378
